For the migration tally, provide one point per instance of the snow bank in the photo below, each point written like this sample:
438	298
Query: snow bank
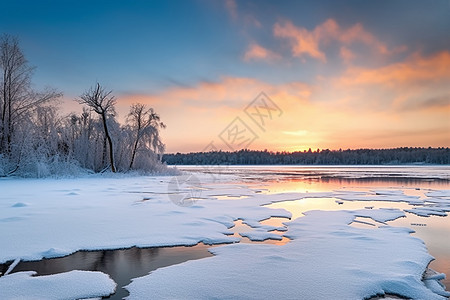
327	259
69	285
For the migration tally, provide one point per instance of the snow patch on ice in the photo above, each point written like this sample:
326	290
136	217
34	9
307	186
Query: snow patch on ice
439	193
427	211
392	196
388	192
259	235
69	285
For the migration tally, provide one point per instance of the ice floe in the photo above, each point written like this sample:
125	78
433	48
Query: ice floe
69	285
261	235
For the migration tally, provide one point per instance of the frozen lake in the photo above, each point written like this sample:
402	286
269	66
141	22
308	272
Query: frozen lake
250	205
412	180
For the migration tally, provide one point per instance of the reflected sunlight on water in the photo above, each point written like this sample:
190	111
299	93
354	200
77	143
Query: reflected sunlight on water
412	180
434	230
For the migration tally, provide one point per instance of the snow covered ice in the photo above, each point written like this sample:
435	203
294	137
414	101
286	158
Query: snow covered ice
69	285
326	258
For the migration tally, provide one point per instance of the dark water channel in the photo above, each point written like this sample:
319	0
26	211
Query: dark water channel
122	265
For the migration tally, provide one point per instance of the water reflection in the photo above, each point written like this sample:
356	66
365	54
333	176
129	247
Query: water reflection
264	172
412	180
294	184
121	265
434	231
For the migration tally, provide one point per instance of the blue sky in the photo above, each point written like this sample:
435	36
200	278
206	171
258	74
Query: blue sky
157	51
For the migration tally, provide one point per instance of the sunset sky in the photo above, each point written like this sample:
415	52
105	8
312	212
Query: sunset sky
335	74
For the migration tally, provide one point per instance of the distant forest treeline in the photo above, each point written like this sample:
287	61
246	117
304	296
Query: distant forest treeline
318	157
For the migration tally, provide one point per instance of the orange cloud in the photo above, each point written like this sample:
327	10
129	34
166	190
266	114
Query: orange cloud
257	52
415	69
346	54
233	92
417	85
302	41
357	33
306	42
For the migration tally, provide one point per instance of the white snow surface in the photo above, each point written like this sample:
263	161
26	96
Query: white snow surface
63	216
326	259
45	218
69	285
260	235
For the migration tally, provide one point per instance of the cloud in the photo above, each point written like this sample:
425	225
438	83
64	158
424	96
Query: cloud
346	54
257	52
441	102
417	85
231	7
357	33
304	42
234	92
244	18
414	70
251	20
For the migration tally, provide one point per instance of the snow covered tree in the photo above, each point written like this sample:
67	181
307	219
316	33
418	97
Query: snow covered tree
145	124
102	103
18	102
15	81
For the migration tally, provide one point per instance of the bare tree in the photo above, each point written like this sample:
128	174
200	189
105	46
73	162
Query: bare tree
145	122
102	103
